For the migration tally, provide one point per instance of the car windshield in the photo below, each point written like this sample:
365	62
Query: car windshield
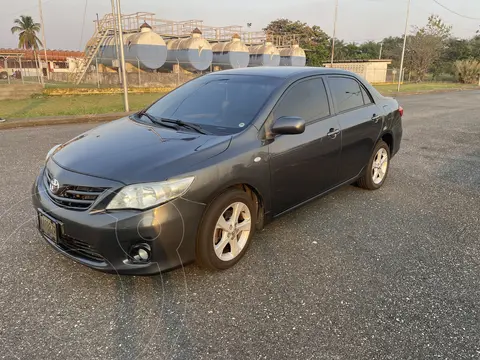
219	104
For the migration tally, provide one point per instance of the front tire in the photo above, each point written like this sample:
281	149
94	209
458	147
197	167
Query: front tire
377	169
226	230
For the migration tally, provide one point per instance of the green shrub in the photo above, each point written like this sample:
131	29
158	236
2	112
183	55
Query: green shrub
467	71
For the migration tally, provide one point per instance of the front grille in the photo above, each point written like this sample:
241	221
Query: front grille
80	248
72	197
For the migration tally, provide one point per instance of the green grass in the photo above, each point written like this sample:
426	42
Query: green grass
105	103
391	89
73	105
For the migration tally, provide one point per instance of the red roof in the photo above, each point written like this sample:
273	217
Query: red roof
52	55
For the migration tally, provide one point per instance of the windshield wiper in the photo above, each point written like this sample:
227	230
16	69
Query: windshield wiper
154	120
184	124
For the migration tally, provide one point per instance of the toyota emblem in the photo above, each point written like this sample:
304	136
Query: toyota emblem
54	186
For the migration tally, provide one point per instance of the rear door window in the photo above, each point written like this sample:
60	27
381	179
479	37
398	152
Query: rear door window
306	99
346	93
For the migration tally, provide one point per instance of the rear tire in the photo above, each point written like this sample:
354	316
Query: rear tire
226	230
377	168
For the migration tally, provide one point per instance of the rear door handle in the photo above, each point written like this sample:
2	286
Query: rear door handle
333	133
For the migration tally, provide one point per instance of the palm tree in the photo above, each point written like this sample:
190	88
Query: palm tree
27	37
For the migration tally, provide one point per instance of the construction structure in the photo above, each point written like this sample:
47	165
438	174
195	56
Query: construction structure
24	61
189	45
374	71
146	49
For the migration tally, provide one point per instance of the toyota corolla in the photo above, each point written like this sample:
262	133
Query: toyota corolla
193	176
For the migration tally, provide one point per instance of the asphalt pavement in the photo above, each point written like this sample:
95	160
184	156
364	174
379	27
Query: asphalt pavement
390	274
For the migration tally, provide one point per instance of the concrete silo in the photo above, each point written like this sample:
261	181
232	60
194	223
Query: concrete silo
192	54
233	54
293	56
264	55
146	49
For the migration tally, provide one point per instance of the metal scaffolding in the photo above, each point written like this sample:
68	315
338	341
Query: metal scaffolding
177	29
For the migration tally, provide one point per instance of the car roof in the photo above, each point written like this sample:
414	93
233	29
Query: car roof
282	72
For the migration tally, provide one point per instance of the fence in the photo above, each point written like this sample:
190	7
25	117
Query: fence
388	75
172	74
134	79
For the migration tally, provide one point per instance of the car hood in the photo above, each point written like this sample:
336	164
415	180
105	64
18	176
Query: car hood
131	152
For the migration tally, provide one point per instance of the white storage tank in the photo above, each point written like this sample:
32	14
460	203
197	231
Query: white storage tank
192	54
146	49
293	56
264	55
233	54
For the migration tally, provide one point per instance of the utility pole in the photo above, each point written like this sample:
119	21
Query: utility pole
381	48
117	54
334	32
122	57
404	46
43	39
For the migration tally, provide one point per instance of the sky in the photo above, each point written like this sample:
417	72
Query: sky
358	20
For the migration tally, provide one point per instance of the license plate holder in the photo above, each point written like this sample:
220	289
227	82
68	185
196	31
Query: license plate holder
48	226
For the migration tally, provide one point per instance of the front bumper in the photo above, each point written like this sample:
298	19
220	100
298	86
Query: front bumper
103	241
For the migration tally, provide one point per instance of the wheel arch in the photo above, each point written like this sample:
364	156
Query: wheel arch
254	193
388	138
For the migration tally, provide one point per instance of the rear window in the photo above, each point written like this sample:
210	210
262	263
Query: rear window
219	104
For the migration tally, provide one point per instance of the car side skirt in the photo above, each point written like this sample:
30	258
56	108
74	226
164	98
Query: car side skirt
348	182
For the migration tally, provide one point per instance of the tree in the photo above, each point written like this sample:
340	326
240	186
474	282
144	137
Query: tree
346	51
27	37
467	71
27	29
455	50
353	51
392	49
425	47
370	50
311	38
475	46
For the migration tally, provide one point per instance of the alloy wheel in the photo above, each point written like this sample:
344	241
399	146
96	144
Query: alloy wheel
232	231
379	166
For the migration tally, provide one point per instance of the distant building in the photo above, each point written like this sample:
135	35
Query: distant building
19	59
374	71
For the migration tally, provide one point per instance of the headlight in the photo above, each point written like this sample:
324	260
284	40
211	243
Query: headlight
51	151
146	195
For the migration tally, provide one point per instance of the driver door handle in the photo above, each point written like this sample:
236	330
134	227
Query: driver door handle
333	133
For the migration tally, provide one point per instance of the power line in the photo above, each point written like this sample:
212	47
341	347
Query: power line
454	12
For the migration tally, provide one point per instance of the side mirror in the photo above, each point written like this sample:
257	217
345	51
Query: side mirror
288	125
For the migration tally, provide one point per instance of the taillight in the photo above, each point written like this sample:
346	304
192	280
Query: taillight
400	110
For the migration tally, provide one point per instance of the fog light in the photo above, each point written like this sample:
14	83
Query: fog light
142	255
141	252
